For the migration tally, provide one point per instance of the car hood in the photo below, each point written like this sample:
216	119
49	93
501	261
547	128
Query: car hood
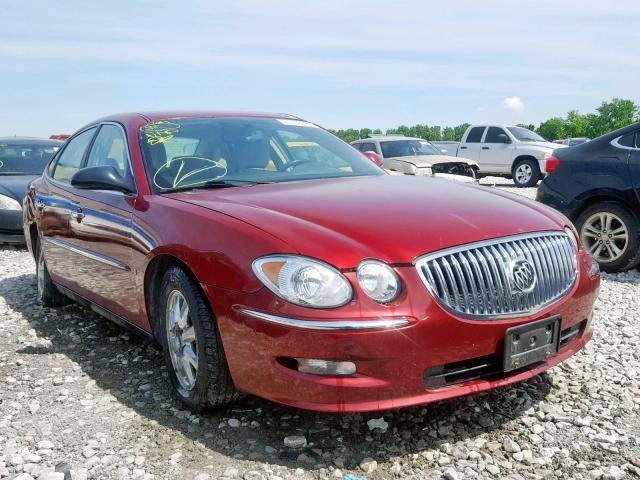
15	186
429	160
391	218
541	145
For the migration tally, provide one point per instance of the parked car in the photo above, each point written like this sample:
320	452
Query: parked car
314	281
501	150
572	142
597	185
415	156
21	160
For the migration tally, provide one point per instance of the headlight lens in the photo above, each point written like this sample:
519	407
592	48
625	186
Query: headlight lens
303	281
378	281
8	203
424	171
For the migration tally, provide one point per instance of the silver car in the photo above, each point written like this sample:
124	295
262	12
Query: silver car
415	156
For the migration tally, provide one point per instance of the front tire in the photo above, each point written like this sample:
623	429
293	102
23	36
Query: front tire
611	234
526	173
192	346
48	294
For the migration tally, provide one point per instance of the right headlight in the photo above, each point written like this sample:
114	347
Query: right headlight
303	281
8	203
378	280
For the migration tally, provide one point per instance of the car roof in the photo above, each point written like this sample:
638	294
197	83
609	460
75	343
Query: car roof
385	138
161	115
30	141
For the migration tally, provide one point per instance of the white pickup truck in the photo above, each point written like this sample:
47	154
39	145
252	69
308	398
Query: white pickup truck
502	150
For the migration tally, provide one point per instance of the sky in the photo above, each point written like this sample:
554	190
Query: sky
375	64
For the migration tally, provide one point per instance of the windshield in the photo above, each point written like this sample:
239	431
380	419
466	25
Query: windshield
25	159
525	135
407	148
186	153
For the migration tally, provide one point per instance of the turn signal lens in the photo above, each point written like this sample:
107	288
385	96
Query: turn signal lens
378	280
303	281
552	164
325	367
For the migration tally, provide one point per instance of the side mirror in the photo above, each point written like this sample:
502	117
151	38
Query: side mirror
374	157
504	138
101	178
443	151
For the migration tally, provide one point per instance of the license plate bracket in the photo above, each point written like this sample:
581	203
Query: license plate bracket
531	343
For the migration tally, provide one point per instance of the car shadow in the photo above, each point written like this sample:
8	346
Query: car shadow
133	371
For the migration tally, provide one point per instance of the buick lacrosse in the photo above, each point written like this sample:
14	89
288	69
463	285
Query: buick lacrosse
267	256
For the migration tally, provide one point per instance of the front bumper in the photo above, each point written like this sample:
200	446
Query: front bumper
393	362
11	227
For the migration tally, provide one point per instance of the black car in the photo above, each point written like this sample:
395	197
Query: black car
21	160
597	185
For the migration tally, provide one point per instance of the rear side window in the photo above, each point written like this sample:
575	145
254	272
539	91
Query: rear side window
367	147
70	160
109	149
475	135
493	135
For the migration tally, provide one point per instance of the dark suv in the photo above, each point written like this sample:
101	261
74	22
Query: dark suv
597	185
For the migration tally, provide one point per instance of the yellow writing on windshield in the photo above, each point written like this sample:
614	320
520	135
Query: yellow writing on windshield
160	131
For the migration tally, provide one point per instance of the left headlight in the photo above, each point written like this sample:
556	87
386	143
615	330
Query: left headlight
545	155
378	281
8	203
303	281
424	171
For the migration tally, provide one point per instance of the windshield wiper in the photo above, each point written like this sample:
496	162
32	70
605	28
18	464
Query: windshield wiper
215	184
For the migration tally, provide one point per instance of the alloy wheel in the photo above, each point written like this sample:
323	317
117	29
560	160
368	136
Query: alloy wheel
605	236
523	173
181	340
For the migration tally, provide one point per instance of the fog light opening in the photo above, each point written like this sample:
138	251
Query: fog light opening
325	367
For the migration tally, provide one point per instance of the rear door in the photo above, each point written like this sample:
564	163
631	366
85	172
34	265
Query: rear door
470	148
632	143
102	230
496	152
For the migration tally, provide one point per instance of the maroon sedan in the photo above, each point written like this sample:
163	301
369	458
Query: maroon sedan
267	256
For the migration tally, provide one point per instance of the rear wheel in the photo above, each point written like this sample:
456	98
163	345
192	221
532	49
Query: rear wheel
48	293
192	346
611	234
526	173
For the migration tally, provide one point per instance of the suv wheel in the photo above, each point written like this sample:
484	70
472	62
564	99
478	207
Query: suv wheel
526	173
611	234
192	346
48	293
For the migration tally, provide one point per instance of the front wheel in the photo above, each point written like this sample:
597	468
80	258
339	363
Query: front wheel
526	173
192	345
611	234
48	293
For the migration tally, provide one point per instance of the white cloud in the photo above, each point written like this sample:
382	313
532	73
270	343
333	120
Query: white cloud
514	104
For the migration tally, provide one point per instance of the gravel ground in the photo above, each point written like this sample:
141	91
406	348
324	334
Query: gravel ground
82	396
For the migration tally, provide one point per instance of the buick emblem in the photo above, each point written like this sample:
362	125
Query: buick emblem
523	276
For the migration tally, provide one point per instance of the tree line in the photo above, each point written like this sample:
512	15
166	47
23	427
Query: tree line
608	116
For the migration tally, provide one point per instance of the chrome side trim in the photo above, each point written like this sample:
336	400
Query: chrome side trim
616	143
88	253
327	325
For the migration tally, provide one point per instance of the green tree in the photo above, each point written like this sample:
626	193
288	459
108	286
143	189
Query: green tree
552	129
614	114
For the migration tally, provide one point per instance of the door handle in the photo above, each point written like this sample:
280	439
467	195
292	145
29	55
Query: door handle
463	148
39	204
78	215
485	148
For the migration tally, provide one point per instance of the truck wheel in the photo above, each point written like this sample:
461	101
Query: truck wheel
526	173
192	346
611	234
48	293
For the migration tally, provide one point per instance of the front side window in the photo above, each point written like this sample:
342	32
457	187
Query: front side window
110	149
407	148
475	135
496	135
187	153
70	160
525	135
25	159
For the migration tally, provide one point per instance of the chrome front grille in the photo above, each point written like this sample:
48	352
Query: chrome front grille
503	277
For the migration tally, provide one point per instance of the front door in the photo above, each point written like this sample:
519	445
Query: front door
496	151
